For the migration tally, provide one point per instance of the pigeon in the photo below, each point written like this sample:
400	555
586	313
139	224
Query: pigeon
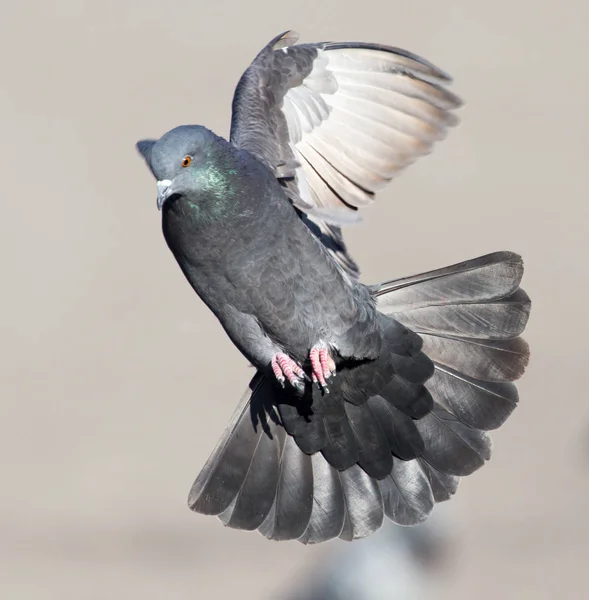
368	401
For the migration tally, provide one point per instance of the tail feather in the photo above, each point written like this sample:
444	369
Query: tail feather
486	360
443	486
413	369
396	434
403	437
501	319
223	475
450	446
341	450
328	513
407	495
486	278
291	510
364	504
412	399
311	434
254	499
374	453
479	404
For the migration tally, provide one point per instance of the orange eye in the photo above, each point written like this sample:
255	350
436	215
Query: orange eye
186	161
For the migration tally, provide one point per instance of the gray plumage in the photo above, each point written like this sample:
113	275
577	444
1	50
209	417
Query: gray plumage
423	365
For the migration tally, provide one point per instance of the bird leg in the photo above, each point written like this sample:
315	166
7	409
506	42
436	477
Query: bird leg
322	366
284	367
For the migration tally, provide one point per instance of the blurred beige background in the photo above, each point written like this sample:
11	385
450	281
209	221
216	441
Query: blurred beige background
111	399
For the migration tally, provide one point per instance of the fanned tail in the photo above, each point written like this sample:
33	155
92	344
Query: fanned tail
470	316
339	467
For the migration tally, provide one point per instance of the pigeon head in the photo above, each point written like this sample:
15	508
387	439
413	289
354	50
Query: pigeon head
179	159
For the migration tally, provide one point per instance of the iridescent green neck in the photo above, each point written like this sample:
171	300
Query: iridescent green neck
215	179
216	182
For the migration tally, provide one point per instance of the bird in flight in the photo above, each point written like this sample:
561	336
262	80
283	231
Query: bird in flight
368	401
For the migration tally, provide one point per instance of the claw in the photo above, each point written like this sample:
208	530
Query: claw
322	365
286	369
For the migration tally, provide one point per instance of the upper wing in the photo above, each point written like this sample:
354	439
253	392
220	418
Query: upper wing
337	121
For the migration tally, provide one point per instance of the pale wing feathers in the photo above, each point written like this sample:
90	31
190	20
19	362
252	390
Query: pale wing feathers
352	115
361	116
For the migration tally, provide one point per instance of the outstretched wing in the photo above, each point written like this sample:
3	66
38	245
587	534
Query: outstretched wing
338	121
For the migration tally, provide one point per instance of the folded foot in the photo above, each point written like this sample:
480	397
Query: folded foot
286	369
322	366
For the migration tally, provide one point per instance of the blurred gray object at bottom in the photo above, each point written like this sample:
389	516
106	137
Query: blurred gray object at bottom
394	564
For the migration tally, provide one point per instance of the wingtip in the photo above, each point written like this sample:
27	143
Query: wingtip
430	69
284	40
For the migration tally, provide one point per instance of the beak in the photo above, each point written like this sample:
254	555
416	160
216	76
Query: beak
164	190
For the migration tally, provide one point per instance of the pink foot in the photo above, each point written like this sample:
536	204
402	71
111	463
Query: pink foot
322	365
285	367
